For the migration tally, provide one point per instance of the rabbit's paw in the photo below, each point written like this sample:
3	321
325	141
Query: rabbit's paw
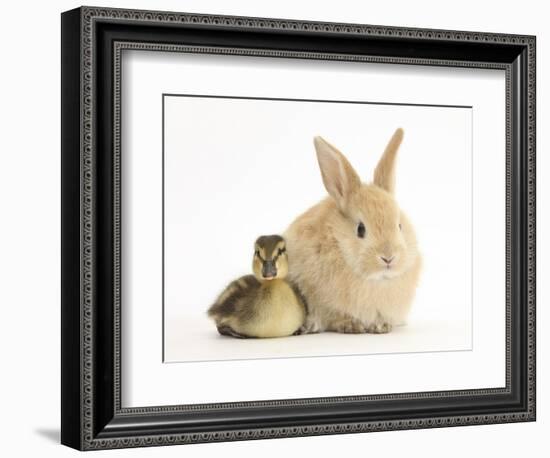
379	328
309	327
301	330
349	326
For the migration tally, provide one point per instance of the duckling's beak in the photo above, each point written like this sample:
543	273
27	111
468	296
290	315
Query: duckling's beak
269	271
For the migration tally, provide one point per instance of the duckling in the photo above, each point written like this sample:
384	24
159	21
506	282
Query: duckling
263	304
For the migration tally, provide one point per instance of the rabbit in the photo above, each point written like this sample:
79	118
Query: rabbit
354	255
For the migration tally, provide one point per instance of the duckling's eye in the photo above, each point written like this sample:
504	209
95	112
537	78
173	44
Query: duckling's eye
281	251
361	230
400	227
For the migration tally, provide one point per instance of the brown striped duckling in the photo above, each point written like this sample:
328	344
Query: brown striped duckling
263	304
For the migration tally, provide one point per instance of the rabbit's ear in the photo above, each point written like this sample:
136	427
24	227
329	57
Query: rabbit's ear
384	174
340	180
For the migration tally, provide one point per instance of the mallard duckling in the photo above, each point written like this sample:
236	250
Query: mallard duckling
263	304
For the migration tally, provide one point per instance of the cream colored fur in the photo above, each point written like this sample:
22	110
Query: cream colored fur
348	286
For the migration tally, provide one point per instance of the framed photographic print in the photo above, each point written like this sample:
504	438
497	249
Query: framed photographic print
277	228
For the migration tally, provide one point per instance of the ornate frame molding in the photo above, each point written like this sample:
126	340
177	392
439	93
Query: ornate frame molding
89	433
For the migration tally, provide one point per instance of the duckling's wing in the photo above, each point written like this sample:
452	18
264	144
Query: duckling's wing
230	301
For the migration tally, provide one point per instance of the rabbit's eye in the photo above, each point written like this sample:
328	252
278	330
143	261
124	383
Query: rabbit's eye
361	230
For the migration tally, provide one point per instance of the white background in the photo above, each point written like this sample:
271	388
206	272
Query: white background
432	138
29	249
266	173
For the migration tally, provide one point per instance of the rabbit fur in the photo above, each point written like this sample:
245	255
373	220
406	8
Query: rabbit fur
342	268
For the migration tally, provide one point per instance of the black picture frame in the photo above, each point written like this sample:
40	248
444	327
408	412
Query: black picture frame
92	416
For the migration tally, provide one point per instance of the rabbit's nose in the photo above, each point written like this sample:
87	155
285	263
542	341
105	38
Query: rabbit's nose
387	260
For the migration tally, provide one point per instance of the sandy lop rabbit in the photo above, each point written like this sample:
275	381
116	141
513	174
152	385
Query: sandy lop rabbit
354	255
